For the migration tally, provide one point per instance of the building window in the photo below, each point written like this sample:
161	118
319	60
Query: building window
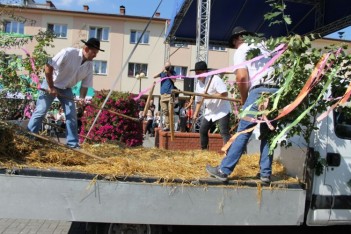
136	68
60	30
99	33
135	35
181	71
100	67
14	27
216	48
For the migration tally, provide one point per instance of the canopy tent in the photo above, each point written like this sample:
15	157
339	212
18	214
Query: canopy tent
318	16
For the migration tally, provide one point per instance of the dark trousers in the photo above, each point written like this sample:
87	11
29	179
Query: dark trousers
206	125
183	124
149	129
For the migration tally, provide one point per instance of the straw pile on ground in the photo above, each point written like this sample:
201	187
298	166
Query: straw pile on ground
18	151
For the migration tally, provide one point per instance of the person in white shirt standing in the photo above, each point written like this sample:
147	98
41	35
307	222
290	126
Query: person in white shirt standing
216	110
61	118
253	81
62	72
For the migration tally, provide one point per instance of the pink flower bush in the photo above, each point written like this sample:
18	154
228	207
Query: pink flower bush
111	127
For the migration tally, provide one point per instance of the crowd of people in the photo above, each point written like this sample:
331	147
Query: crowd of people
182	118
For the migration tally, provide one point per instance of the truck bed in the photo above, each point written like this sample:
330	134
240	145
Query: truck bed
139	186
74	196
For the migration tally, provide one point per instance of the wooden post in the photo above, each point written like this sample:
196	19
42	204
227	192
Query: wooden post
147	104
171	116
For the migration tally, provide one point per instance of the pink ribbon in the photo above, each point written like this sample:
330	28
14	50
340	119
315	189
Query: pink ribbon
281	48
33	76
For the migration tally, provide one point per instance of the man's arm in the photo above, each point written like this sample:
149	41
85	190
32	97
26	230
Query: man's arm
157	75
49	79
197	110
83	92
224	94
242	80
48	74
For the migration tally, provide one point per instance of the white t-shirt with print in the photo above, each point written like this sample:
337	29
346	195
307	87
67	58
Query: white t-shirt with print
255	67
214	108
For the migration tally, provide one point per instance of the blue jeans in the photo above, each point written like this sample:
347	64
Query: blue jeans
66	97
238	146
223	124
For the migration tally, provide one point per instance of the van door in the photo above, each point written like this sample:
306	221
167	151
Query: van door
331	189
338	165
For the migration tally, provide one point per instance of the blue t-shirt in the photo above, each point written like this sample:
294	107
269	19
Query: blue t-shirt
167	85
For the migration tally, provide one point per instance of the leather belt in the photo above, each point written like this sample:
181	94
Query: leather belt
265	86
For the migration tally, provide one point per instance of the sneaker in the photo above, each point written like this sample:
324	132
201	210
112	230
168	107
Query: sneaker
265	179
74	146
165	129
217	173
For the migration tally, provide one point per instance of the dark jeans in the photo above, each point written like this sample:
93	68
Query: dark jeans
149	129
183	127
206	125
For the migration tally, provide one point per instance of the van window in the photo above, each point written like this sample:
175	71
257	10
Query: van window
342	123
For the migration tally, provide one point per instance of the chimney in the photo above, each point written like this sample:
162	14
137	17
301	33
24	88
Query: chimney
122	10
49	4
157	14
86	7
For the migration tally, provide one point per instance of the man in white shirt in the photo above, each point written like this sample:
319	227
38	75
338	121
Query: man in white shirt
251	84
64	71
216	110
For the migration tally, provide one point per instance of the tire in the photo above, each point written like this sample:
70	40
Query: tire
122	228
97	228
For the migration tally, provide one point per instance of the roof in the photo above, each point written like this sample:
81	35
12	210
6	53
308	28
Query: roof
50	10
318	16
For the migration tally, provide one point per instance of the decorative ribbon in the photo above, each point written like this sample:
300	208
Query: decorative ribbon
280	49
232	139
34	76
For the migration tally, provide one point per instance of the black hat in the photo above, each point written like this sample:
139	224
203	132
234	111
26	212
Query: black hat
239	31
93	43
201	65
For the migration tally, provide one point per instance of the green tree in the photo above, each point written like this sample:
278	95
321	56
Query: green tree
17	74
293	69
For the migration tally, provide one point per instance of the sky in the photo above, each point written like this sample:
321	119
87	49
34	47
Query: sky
133	7
346	35
143	8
